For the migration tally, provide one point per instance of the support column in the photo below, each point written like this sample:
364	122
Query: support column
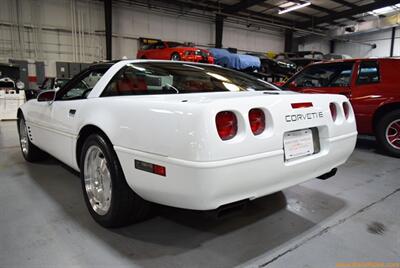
392	41
219	29
288	40
332	45
108	24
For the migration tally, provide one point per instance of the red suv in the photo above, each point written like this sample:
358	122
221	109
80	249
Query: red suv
372	86
174	51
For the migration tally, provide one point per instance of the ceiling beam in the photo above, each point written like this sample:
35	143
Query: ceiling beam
296	13
272	18
345	3
322	9
242	5
211	6
327	10
243	12
330	11
191	5
348	13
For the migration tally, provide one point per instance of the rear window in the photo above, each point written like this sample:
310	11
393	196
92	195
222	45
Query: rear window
368	73
177	78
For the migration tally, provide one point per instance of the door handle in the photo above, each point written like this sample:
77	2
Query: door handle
72	112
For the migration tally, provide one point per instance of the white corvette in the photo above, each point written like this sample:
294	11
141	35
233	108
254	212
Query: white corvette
188	135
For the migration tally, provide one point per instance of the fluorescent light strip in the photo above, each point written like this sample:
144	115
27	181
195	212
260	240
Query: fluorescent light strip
286	10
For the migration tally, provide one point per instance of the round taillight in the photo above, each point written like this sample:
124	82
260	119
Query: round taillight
226	123
257	121
346	109
333	109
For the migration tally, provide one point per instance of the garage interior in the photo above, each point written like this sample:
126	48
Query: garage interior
349	220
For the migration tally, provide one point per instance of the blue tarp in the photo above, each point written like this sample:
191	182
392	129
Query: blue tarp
234	61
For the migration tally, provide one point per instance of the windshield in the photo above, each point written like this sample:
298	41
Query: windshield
61	82
323	75
174	44
175	78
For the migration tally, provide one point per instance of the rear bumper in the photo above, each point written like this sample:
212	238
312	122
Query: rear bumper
209	185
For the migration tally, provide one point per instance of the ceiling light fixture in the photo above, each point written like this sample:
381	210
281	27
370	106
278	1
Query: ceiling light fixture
294	7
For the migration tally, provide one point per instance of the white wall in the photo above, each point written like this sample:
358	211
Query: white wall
248	39
396	50
55	41
130	24
47	32
316	44
381	38
355	49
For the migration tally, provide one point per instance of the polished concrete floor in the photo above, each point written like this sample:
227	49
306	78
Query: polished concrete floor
352	217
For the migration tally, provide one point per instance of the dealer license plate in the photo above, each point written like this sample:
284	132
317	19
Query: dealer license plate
298	143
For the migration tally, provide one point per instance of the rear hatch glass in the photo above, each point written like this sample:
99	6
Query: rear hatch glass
177	78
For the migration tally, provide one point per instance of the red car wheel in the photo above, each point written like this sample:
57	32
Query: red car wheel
387	133
393	134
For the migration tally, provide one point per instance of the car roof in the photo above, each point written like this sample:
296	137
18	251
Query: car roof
353	60
163	61
105	64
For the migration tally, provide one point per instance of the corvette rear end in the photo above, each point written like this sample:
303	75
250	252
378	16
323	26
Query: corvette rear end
221	149
195	136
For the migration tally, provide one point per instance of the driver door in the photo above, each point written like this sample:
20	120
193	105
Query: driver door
57	120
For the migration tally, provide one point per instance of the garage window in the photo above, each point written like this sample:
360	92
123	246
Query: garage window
368	73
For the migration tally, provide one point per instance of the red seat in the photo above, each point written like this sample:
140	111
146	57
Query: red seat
131	84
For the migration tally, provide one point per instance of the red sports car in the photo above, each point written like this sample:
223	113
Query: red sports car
175	51
372	86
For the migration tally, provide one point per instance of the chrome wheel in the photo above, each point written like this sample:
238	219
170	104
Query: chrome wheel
23	137
393	134
97	180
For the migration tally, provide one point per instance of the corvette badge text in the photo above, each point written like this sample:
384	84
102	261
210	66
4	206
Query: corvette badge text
300	117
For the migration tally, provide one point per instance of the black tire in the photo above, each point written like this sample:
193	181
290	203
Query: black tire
30	152
143	58
175	56
126	206
381	133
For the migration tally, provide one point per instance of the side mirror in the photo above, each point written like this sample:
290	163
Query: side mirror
46	96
